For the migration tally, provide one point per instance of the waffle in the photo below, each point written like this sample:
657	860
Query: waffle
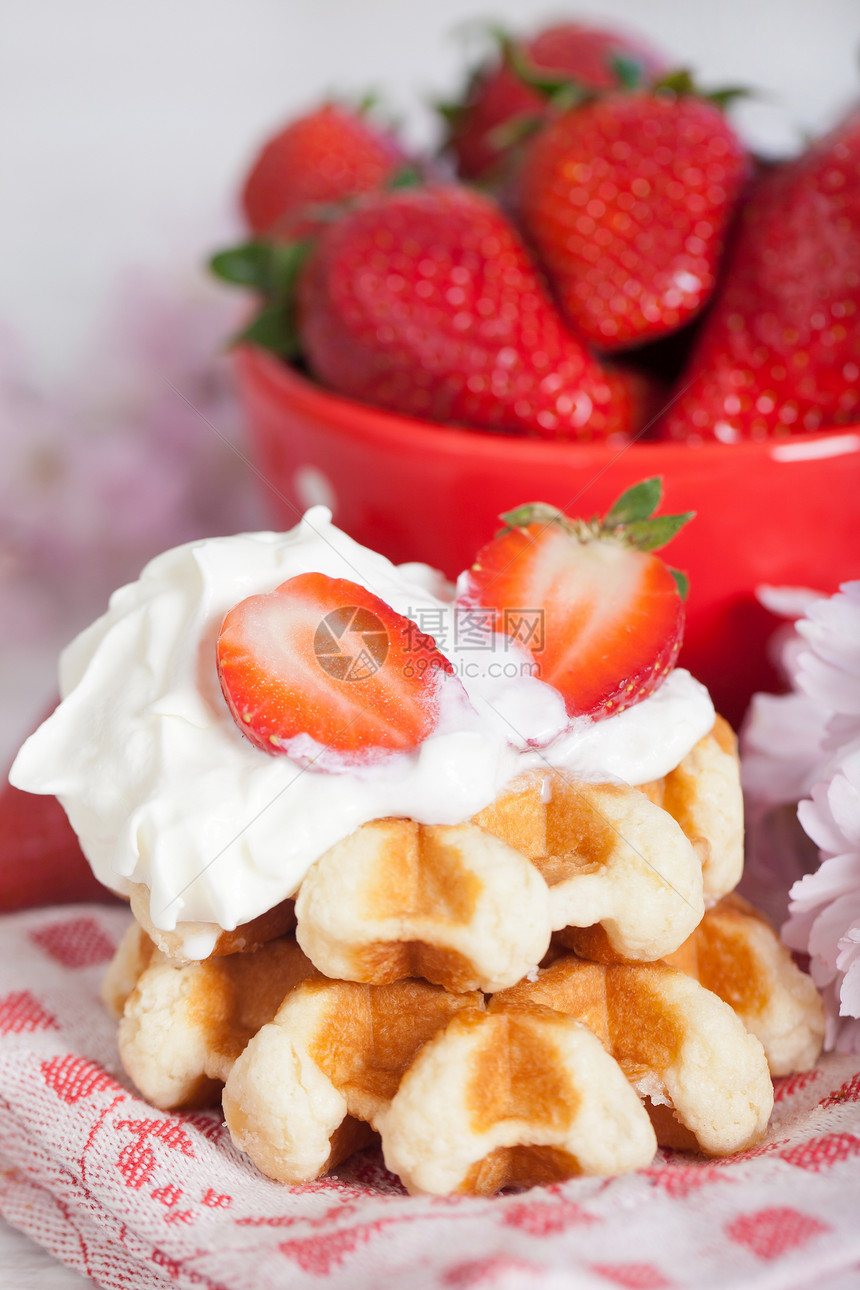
611	858
703	1075
735	953
465	1100
703	793
183	1025
512	1097
277	921
452	904
472	906
467	1097
409	1004
632	869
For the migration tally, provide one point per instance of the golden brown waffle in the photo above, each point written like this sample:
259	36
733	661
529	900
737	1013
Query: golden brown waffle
451	904
631	868
133	956
277	921
736	954
333	1050
609	856
509	1098
565	1069
704	795
684	1049
183	1025
464	1100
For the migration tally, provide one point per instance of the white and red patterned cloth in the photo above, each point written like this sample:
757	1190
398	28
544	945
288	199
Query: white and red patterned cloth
139	1198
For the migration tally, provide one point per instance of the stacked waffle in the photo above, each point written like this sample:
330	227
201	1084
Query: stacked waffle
552	988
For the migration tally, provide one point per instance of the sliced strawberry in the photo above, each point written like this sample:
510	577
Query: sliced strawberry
612	614
324	659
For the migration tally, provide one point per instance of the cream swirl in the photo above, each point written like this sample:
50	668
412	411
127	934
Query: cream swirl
163	789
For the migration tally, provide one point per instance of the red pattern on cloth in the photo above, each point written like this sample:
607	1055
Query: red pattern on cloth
135	1197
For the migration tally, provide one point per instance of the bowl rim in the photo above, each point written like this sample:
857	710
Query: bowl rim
364	422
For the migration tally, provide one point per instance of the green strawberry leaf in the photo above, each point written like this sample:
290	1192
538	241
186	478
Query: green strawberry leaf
451	113
272	329
532	513
562	90
514	131
629	71
405	177
729	94
681	81
268	267
650	535
244	266
285	262
682	582
637	503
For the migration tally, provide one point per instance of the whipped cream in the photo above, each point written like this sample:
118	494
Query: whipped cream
163	788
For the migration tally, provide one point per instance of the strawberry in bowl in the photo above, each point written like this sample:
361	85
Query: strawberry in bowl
440	355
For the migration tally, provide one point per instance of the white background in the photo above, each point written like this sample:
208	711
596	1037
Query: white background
124	129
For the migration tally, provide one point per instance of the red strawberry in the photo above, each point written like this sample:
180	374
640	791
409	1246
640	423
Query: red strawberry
627	200
41	862
425	302
613	614
499	95
324	658
326	156
780	352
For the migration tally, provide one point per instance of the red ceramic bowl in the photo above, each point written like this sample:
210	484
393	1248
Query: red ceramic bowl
784	513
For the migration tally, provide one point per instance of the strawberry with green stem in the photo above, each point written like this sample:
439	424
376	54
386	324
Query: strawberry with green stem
613	612
530	79
627	200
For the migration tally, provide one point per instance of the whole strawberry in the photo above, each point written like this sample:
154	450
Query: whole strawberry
424	301
325	156
780	353
519	88
627	200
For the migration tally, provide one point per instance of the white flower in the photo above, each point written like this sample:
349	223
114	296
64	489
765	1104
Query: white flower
806	745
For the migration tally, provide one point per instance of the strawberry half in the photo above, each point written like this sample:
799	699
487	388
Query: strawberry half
325	659
612	611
